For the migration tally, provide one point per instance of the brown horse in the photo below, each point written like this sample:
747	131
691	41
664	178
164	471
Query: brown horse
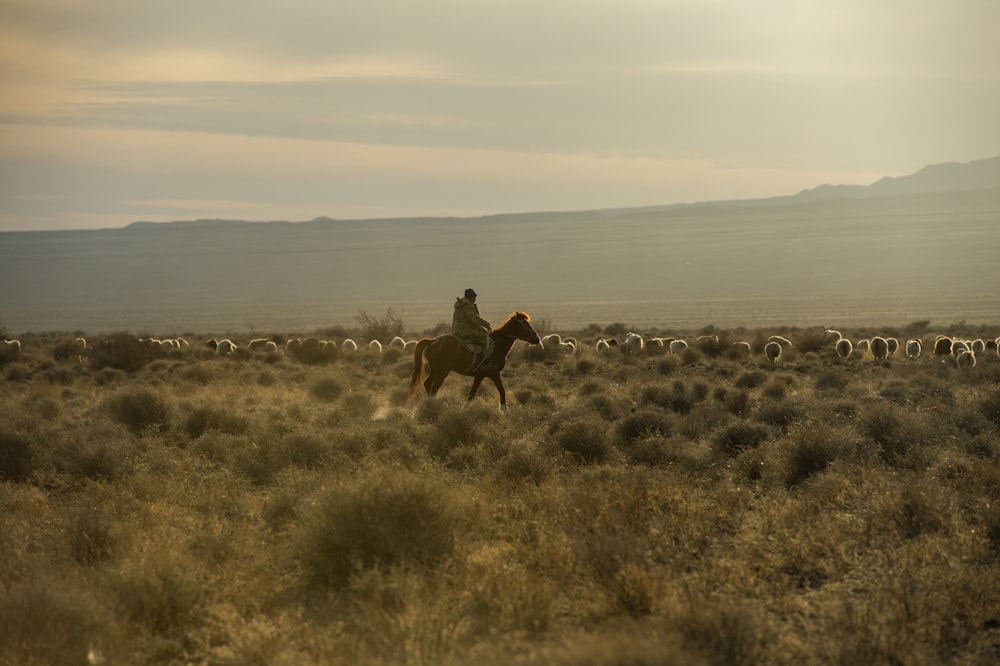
446	353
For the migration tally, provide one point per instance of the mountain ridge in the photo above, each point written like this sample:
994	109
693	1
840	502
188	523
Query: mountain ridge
940	178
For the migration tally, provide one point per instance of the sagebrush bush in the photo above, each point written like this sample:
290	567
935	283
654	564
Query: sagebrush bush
123	351
642	423
15	456
162	596
139	409
215	418
396	519
740	436
326	390
813	447
91	535
586	440
750	379
43	621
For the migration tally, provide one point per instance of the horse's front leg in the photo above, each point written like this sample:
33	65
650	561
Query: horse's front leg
501	391
475	387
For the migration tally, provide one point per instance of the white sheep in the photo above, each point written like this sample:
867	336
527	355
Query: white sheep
781	340
375	346
879	348
10	350
772	351
633	343
978	346
942	345
604	345
397	343
913	349
893	345
832	335
965	359
567	347
349	345
959	346
225	347
271	347
862	345
551	341
742	348
844	347
410	344
678	346
257	344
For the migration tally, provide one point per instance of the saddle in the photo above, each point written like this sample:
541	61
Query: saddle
477	350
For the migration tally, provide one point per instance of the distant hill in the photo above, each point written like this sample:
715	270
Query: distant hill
917	247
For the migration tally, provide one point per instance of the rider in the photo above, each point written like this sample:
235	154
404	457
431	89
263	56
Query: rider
466	324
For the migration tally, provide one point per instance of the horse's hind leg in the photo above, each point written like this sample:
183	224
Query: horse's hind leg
434	381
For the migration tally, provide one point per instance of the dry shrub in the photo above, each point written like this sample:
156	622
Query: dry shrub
44	622
813	447
586	440
110	377
120	350
675	398
523	464
740	436
750	379
139	409
398	519
990	407
725	633
102	456
17	372
214	418
458	427
160	595
831	380
326	390
91	535
16	457
643	423
780	413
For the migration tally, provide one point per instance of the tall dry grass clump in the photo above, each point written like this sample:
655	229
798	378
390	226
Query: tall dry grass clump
395	519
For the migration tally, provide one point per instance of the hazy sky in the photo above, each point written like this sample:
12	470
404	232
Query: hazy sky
120	110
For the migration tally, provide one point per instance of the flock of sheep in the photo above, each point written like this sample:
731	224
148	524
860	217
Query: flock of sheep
961	352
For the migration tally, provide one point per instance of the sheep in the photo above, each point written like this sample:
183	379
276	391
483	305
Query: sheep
349	345
893	345
257	344
655	346
271	347
80	344
959	346
707	341
942	345
567	347
832	335
10	350
772	351
862	345
570	339
965	359
844	347
375	346
604	345
783	341
225	347
742	348
410	344
879	348
913	349
551	341
211	343
978	346
397	343
678	346
633	343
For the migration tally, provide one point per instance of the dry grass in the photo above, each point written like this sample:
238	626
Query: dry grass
690	509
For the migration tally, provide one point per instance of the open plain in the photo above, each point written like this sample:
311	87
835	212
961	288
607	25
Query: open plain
178	506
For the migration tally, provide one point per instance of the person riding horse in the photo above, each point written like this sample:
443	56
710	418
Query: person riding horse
468	326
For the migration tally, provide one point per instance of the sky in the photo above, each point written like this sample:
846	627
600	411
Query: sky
113	111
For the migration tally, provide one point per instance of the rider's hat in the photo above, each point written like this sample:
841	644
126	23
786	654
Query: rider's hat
470	293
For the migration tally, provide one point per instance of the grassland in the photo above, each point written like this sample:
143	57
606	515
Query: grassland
648	509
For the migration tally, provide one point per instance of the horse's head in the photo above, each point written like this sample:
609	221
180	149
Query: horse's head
518	325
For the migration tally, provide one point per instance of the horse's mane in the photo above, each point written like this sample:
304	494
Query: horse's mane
512	317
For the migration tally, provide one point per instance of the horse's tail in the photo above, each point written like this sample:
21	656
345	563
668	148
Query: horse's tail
418	367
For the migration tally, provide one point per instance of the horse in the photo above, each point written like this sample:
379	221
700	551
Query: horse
446	353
